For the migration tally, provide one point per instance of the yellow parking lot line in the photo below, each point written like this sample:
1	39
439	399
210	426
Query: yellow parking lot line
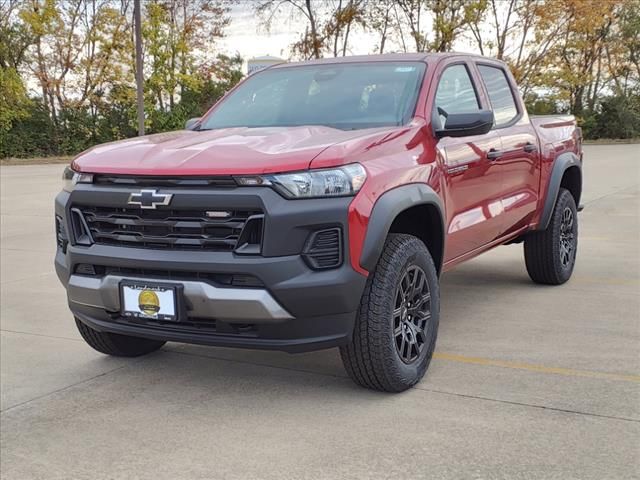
535	368
605	280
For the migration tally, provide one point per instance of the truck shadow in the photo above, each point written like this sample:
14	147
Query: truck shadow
464	290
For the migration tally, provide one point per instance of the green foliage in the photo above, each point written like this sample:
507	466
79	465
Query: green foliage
79	57
31	137
541	105
78	128
618	117
14	103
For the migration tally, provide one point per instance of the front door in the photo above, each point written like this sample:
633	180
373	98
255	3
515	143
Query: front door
472	196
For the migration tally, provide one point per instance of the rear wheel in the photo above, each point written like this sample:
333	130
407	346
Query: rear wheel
117	345
397	323
550	255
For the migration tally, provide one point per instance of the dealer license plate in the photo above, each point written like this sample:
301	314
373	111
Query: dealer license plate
149	300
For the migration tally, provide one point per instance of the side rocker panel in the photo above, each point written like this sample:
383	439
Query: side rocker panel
561	164
385	211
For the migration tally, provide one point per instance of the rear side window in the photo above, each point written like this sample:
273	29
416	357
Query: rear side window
500	94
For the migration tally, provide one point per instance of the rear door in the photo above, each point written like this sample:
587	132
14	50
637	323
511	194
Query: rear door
472	196
518	163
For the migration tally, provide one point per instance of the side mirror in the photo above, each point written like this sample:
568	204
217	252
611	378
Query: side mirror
467	124
192	122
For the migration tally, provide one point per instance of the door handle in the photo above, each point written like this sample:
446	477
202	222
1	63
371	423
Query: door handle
494	154
529	147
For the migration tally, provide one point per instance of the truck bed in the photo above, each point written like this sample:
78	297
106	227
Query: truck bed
558	130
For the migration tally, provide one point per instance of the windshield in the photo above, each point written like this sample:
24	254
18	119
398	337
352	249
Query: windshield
345	96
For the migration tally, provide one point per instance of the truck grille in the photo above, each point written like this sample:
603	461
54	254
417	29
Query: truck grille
170	229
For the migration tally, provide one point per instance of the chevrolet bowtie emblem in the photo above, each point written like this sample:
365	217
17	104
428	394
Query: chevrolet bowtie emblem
149	199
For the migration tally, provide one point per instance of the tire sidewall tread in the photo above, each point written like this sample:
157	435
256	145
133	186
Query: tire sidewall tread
371	359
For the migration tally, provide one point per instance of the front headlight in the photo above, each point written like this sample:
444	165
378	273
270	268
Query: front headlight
335	182
70	178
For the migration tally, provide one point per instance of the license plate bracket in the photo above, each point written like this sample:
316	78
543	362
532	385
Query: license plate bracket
149	300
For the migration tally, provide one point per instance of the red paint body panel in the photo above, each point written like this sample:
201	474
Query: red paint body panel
232	151
486	202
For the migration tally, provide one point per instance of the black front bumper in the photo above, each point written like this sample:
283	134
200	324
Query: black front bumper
296	308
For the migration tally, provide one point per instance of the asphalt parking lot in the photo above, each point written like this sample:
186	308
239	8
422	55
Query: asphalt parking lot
528	381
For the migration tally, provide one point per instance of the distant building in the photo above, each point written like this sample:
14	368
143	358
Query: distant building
258	63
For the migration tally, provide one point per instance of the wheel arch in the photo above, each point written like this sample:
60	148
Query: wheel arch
414	209
566	173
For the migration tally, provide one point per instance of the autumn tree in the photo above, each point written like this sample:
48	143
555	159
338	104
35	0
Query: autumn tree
347	14
576	61
381	18
434	25
622	50
312	42
326	25
80	56
522	33
173	31
450	19
14	41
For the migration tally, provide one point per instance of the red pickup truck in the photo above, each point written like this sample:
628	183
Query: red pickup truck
316	205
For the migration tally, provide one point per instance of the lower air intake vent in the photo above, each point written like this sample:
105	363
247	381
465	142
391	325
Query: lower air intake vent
324	249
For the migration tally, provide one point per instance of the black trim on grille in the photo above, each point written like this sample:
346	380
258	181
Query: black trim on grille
166	228
163	181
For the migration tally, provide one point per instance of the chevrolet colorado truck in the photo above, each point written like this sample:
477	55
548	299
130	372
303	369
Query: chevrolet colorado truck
316	205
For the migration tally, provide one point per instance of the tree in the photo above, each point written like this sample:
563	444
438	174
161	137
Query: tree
380	18
327	24
451	17
311	43
521	33
14	41
344	16
622	51
448	20
413	15
173	30
14	104
79	53
576	61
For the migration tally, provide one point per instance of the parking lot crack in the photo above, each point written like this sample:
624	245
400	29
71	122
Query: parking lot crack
48	394
41	335
530	405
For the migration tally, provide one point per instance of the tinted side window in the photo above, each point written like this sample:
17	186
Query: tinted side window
500	94
455	93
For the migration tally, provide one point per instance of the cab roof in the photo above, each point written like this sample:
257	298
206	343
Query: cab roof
385	57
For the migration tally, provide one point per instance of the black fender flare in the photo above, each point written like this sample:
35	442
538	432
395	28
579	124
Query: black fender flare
563	162
386	209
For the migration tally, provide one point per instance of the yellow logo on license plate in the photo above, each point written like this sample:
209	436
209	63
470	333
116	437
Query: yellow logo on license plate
148	302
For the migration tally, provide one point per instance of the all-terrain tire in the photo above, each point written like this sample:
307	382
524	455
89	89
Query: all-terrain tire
117	345
550	255
379	356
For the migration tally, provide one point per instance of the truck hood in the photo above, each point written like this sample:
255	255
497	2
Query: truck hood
238	151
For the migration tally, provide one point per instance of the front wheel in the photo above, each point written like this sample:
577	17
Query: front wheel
550	255
397	322
115	344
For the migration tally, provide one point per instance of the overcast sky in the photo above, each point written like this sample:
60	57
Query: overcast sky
248	37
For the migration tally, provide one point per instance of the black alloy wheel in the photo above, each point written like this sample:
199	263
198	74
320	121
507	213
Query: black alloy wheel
411	314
